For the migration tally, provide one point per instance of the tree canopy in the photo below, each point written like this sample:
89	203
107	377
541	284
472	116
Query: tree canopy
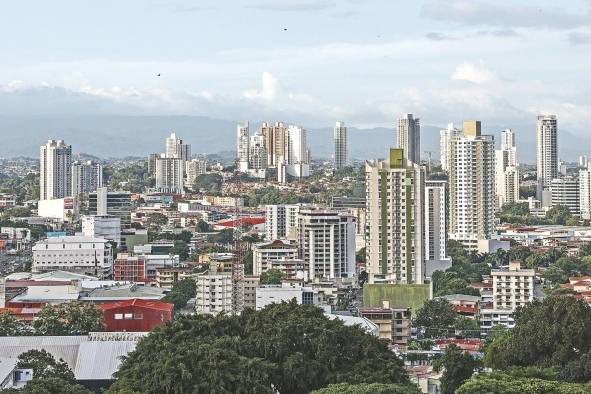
272	276
73	318
500	383
368	388
182	291
458	366
286	348
436	317
11	326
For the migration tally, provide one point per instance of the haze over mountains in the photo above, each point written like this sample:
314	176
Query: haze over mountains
112	136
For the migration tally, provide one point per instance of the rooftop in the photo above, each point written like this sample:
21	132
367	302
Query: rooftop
158	305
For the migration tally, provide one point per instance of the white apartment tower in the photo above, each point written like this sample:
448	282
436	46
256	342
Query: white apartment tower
257	154
506	170
281	221
87	177
242	140
340	145
395	232
585	193
55	167
472	186
297	154
409	137
170	175
326	242
547	152
445	136
435	220
175	148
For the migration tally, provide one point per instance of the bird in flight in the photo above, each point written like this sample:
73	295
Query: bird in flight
285	29
158	74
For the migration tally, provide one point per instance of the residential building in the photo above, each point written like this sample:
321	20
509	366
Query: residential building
193	169
55	170
512	287
275	139
78	254
445	137
242	148
168	276
107	227
506	170
177	149
250	284
409	137
86	177
436	220
297	154
136	315
142	267
472	186
340	145
270	294
394	323
7	200
547	154
281	221
326	241
214	293
257	156
115	203
395	214
170	175
585	193
583	161
565	192
276	254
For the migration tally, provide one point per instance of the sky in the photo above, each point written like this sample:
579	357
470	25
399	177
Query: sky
310	62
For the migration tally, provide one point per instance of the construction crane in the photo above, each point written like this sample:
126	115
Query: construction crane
429	153
239	256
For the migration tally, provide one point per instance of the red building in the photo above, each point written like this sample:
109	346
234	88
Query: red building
136	315
129	268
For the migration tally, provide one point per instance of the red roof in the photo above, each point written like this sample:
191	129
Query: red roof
159	305
466	309
234	222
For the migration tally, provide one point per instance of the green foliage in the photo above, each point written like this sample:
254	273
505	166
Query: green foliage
74	318
209	183
24	188
11	326
286	348
181	292
368	388
272	276
184	236
182	249
436	317
458	366
577	371
44	365
203	227
558	214
547	333
49	386
270	195
157	219
467	328
451	282
17	212
411	295
498	383
133	177
564	267
225	236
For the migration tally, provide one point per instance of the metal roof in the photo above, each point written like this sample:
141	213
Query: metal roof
99	360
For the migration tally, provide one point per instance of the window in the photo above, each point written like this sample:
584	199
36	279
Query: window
128	316
118	316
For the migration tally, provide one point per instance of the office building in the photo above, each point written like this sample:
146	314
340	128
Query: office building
547	154
87	177
55	170
506	170
105	203
297	154
274	294
472	186
436	220
326	241
340	145
585	193
445	136
107	227
409	137
242	148
281	221
79	254
274	142
170	175
395	233
566	193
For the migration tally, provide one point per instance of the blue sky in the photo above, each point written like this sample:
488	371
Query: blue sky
363	62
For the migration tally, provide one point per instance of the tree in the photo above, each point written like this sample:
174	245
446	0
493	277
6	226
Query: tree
225	236
467	328
457	368
547	333
203	227
210	183
436	317
577	371
11	326
181	249
182	291
157	219
286	348
44	365
507	384
74	318
558	214
368	388
272	276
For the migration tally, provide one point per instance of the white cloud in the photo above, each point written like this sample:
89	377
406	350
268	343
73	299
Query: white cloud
293	5
475	73
269	90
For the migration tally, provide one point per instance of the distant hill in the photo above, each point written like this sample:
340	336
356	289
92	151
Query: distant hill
109	136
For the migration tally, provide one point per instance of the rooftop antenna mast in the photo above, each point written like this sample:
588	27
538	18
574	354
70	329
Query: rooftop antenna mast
238	263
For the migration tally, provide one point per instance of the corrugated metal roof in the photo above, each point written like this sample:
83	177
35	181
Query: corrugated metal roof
99	360
7	365
65	347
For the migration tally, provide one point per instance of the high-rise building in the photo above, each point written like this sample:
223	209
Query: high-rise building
435	220
506	170
395	232
326	241
152	163
175	148
409	137
472	186
297	154
445	136
340	145
107	227
565	192
281	221
193	169
242	140
547	153
274	137
170	175
583	161
55	167
116	203
214	293
585	193
257	155
87	176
